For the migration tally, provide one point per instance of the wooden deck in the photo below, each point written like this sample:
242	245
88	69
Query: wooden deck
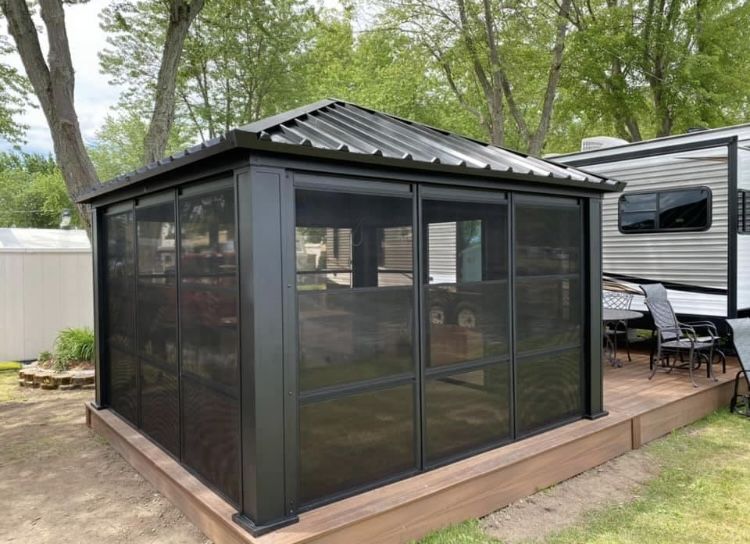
639	411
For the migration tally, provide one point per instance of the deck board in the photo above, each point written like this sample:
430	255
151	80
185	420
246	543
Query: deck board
639	411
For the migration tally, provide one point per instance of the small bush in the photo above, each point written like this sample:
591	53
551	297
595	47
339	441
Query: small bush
45	357
73	344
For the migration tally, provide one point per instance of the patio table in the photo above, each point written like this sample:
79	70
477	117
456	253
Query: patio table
610	315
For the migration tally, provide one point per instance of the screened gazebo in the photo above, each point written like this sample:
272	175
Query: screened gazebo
332	299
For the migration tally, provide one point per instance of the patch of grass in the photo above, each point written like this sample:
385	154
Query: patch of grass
468	532
700	494
9	389
10	365
73	344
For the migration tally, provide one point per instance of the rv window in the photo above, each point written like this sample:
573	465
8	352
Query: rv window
743	204
672	210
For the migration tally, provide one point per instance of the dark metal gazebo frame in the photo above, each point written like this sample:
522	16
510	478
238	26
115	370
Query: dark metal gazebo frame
326	147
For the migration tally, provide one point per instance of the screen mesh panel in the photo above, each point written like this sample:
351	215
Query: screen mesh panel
208	321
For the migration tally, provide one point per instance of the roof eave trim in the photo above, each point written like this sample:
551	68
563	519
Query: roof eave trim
250	141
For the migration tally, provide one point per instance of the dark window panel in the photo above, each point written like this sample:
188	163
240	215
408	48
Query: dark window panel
157	324
124	384
120	299
208	320
466	322
467	411
681	209
160	405
351	335
549	389
354	441
212	440
466	269
548	239
548	313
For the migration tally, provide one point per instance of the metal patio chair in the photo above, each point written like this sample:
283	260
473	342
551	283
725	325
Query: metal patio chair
674	340
654	291
740	328
618	300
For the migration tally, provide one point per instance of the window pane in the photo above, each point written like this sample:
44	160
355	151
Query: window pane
157	324
683	209
466	270
643	202
466	322
348	335
549	389
208	306
120	291
548	313
355	294
355	440
637	221
467	410
548	239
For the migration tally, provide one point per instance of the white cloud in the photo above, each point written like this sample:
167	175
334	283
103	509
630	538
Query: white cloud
93	93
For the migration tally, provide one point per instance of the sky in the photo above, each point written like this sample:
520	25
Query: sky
93	93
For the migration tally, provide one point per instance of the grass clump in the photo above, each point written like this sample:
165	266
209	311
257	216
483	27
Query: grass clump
73	345
10	365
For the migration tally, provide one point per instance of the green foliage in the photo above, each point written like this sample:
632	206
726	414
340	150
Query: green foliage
14	97
45	357
10	365
32	192
119	144
73	344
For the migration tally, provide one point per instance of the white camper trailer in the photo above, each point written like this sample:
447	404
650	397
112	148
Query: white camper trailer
683	219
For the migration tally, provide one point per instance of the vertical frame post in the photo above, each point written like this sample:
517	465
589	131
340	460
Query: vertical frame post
732	230
97	254
594	378
261	350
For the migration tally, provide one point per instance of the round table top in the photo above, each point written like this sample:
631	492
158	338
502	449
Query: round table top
610	314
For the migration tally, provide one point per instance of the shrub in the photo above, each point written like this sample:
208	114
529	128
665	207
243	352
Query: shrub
45	357
73	344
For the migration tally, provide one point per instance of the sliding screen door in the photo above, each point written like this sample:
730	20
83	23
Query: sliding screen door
465	318
355	297
549	319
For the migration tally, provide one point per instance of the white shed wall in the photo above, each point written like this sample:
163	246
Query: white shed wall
42	292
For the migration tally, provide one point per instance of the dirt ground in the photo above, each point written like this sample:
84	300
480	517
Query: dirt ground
60	483
549	511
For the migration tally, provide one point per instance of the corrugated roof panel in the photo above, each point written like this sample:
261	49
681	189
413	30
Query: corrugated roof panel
345	128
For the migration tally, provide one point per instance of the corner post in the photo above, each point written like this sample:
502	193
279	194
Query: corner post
263	505
732	220
97	254
594	379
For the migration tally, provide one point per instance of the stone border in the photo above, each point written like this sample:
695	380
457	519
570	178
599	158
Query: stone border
40	378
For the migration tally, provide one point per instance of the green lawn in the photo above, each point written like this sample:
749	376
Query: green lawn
700	495
9	389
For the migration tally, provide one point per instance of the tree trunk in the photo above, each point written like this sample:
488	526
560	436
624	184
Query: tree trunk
54	85
536	143
181	15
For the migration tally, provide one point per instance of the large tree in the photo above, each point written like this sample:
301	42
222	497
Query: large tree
507	53
53	81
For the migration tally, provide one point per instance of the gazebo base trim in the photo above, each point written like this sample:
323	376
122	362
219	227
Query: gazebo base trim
639	411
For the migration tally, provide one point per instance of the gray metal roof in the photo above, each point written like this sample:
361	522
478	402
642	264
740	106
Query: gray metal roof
335	129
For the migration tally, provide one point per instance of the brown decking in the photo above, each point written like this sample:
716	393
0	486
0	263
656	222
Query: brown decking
639	411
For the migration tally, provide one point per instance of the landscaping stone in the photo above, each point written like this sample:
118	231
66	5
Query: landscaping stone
42	378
